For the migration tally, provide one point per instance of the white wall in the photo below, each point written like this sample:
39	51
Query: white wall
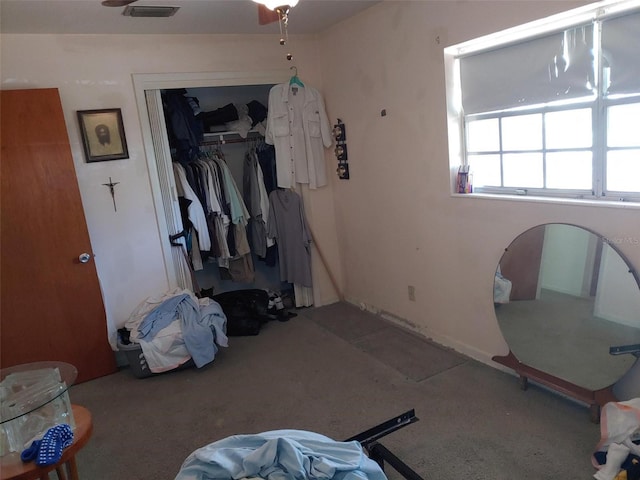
617	298
397	222
95	71
567	260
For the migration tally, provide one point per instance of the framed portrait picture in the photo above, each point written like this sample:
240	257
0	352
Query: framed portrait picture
102	134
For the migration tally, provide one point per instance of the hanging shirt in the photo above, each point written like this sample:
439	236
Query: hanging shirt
211	195
257	201
288	226
298	128
196	212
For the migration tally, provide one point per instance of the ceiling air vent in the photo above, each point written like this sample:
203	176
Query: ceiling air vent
149	11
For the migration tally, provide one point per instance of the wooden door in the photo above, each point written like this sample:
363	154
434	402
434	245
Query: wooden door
51	302
521	264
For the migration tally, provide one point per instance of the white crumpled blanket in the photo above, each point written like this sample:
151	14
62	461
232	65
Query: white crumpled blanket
167	350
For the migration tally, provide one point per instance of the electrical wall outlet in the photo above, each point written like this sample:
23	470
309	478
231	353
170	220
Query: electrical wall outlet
412	293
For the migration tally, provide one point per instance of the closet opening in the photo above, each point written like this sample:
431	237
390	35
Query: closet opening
233	123
215	94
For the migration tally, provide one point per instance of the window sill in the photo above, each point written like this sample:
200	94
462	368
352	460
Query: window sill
550	200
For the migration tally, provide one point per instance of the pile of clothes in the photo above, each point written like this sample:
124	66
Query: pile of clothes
179	326
235	117
249	309
187	123
281	454
176	327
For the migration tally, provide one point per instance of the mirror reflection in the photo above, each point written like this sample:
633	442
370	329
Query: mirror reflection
563	297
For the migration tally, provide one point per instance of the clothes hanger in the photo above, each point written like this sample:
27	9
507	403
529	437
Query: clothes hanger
294	79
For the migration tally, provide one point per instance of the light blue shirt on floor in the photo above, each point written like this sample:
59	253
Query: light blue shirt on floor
202	327
160	317
280	455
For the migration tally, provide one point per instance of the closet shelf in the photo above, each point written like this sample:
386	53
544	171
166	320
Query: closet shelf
214	137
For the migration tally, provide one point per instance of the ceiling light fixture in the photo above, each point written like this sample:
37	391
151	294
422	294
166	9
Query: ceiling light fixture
283	17
275	4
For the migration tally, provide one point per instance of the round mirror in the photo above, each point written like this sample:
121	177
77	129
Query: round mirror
564	296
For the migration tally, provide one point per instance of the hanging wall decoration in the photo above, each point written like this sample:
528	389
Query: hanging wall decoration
340	134
112	191
102	134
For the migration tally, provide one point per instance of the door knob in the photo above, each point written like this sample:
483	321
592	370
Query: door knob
84	257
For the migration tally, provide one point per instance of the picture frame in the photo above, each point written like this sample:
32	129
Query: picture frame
102	133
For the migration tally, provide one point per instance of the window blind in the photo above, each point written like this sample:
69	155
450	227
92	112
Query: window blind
621	54
554	67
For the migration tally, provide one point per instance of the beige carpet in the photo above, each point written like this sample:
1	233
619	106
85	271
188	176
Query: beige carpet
338	371
409	354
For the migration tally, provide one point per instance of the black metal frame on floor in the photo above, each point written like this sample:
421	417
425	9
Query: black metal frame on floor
378	452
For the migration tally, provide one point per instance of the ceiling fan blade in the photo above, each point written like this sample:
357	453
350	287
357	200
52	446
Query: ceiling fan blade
266	16
117	3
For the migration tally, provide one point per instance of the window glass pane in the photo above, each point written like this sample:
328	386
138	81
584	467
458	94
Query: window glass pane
523	132
623	170
485	170
568	129
569	170
623	125
523	170
483	135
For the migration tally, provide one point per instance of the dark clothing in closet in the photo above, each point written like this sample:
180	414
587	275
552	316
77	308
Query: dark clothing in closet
220	116
267	159
257	112
229	113
184	129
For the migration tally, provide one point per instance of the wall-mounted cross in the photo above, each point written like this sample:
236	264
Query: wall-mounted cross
111	186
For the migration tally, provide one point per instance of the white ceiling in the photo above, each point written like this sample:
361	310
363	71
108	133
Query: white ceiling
194	16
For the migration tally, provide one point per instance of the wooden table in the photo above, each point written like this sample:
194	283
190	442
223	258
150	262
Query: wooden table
12	468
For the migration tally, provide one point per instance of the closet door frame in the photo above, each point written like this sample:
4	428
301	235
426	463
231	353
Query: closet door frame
147	89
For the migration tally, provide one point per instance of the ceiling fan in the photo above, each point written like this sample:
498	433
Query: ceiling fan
116	3
142	11
269	11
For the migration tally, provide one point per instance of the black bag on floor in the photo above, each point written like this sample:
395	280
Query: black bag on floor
246	311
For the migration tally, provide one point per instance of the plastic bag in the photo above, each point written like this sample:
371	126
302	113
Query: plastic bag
501	288
619	429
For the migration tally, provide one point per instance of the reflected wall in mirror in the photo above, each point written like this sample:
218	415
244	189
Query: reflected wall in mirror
564	295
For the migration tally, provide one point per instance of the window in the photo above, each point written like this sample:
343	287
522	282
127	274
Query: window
551	108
